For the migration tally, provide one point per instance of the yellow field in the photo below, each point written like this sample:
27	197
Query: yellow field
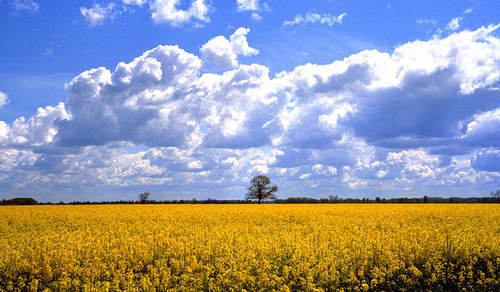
251	247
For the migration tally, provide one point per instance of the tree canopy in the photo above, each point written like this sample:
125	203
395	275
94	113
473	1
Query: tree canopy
19	201
261	189
143	197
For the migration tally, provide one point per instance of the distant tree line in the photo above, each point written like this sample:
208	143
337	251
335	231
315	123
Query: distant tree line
261	190
154	202
291	200
378	200
19	201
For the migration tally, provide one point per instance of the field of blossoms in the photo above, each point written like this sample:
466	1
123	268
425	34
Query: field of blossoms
267	247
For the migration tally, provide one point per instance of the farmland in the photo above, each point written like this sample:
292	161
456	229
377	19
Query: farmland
353	247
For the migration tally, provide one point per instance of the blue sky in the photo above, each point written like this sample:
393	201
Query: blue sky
101	100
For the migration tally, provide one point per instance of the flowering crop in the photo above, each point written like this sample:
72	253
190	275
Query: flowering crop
250	247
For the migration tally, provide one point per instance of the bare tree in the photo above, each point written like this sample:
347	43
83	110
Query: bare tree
495	195
143	197
261	189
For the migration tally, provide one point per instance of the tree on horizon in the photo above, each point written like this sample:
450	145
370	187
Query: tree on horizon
261	189
143	197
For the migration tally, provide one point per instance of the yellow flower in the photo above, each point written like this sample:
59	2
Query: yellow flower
340	247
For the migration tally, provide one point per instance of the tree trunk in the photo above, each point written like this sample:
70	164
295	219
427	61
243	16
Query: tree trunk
259	200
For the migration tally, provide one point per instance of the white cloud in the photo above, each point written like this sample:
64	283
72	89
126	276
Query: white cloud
224	53
324	170
25	5
314	106
4	132
162	11
426	21
483	130
486	160
166	11
305	176
316	18
255	16
371	121
454	24
195	164
240	44
134	102
254	6
3	99
416	171
134	2
219	51
12	159
468	10
97	15
40	129
245	5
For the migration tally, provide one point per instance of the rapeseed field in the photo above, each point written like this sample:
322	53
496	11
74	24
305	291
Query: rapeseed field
250	247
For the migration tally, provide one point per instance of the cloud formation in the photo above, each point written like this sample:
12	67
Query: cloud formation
3	99
166	11
426	21
426	114
162	11
247	5
25	5
224	53
97	14
134	2
254	6
315	18
137	100
487	160
454	24
38	130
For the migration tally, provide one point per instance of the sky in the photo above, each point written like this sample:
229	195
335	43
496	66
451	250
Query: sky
102	100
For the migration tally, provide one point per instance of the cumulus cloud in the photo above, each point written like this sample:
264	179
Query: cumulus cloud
324	170
3	99
424	100
244	5
454	24
219	51
254	6
425	114
162	11
135	102
166	11
224	53
315	18
487	160
97	14
483	130
413	170
39	129
239	42
413	97
25	5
